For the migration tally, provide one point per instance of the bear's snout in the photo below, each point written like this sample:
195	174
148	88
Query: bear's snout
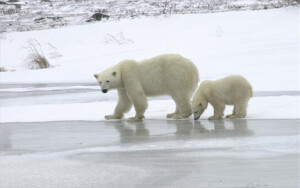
196	115
104	90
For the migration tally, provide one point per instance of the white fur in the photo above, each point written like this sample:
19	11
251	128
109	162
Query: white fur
231	90
168	74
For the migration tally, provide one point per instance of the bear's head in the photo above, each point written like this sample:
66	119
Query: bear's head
108	79
198	107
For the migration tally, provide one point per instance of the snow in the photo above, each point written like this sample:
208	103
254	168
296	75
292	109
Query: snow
35	15
263	46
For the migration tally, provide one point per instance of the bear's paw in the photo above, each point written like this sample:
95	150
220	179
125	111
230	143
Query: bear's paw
113	117
214	117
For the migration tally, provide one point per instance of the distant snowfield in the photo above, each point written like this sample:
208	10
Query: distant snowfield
263	46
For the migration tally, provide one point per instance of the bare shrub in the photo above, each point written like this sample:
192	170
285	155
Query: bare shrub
2	35
6	69
53	51
36	58
119	39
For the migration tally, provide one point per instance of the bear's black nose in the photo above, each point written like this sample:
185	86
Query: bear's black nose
104	90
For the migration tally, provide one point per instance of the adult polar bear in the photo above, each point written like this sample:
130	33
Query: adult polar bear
168	74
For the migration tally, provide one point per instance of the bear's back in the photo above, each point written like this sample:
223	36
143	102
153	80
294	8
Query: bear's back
232	88
165	73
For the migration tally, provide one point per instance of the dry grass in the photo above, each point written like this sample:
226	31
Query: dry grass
6	69
36	58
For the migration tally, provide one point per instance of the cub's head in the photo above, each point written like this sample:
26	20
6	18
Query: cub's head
198	107
108	79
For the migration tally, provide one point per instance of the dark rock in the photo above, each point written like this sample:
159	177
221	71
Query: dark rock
39	19
54	18
97	17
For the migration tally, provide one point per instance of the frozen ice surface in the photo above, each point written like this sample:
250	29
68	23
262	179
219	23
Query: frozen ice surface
154	153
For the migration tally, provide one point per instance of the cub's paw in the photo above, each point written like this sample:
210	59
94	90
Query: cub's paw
234	116
113	117
214	117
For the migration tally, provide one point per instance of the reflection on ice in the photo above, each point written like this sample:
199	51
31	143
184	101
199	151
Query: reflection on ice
151	135
184	153
183	129
127	134
219	128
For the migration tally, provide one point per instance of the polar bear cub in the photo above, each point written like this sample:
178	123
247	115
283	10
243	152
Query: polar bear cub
231	90
168	74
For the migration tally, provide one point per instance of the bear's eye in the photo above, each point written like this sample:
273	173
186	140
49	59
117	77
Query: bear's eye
100	82
107	81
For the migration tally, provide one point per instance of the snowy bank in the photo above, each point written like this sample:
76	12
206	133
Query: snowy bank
261	45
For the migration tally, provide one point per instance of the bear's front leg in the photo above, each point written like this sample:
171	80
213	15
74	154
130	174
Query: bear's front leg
218	111
139	101
135	92
123	106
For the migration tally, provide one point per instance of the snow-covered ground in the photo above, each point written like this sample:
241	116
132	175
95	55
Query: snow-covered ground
263	46
26	15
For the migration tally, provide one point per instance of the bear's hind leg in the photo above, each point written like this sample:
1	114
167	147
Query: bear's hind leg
233	113
184	106
171	115
240	111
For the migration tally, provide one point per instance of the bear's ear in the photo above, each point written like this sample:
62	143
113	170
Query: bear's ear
114	73
96	76
200	104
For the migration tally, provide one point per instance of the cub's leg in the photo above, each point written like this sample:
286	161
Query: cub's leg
240	110
218	111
